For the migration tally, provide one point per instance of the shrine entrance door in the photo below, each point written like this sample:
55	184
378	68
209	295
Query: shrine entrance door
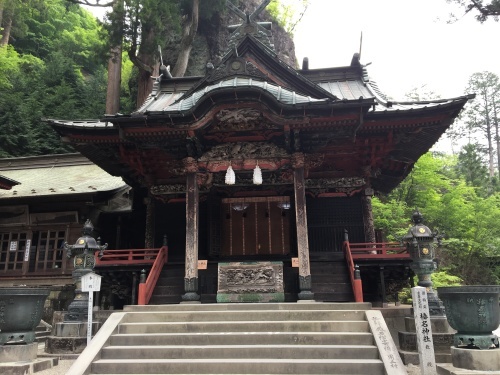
256	226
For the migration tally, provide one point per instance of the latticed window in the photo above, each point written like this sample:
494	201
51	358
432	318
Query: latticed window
49	249
13	251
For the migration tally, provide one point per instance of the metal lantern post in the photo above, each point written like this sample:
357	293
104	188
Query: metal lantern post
84	252
421	242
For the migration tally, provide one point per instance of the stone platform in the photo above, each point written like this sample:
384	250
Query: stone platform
442	337
22	360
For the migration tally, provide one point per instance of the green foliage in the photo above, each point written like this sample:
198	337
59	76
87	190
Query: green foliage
439	279
287	12
66	79
468	219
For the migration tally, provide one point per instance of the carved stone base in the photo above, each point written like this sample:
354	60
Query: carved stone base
305	285
251	282
191	289
306	295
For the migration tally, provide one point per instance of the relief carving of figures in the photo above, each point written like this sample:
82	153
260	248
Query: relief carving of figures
244	150
167	189
247	276
240	119
190	165
345	182
250	279
314	161
236	66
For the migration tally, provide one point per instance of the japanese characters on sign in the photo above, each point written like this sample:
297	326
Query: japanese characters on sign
423	331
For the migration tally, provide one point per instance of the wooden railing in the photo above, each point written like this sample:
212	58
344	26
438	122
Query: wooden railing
146	288
357	287
378	250
126	257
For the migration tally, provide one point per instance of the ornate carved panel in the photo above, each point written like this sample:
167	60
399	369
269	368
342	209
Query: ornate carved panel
251	277
240	120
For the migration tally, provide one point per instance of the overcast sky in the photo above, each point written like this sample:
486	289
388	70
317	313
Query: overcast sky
408	42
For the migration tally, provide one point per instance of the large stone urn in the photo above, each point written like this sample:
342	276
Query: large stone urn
473	311
21	310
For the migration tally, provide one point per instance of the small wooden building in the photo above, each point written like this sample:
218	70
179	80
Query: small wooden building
260	162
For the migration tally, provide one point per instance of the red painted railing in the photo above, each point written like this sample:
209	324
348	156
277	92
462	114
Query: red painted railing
146	289
378	250
126	257
357	286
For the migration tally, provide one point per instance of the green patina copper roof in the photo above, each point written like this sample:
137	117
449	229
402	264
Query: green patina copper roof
55	175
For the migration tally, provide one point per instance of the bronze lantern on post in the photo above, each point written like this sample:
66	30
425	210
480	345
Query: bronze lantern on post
421	243
84	252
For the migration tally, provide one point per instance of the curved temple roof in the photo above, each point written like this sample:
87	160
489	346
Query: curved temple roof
252	96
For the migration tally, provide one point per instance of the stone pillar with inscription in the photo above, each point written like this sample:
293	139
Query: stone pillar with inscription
305	284
192	200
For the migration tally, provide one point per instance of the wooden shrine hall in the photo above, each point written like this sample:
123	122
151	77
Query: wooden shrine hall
255	172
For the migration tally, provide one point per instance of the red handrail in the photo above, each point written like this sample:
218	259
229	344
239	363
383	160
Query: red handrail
126	257
146	289
379	250
357	286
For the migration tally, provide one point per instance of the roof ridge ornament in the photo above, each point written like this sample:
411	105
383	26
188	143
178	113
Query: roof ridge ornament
259	30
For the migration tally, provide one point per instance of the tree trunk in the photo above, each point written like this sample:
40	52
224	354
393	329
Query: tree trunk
6	21
489	137
189	29
114	81
147	65
115	63
497	135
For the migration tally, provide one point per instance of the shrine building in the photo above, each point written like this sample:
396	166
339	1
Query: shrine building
258	179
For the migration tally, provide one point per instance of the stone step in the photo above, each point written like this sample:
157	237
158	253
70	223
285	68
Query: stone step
245	326
337	297
250	306
241	351
244	338
261	315
165	300
238	366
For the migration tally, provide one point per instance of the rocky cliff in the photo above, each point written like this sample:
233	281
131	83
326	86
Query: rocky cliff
211	41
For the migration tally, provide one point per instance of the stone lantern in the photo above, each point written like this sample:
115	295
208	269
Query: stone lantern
84	261
421	243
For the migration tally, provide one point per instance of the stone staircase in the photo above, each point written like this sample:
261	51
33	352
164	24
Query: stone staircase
331	281
273	338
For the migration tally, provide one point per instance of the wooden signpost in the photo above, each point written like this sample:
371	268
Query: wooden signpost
424	331
91	282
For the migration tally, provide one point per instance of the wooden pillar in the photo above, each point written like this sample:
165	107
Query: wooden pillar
382	287
150	223
192	200
369	226
133	300
305	284
368	216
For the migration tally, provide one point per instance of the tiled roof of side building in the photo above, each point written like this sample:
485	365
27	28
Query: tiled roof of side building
41	177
